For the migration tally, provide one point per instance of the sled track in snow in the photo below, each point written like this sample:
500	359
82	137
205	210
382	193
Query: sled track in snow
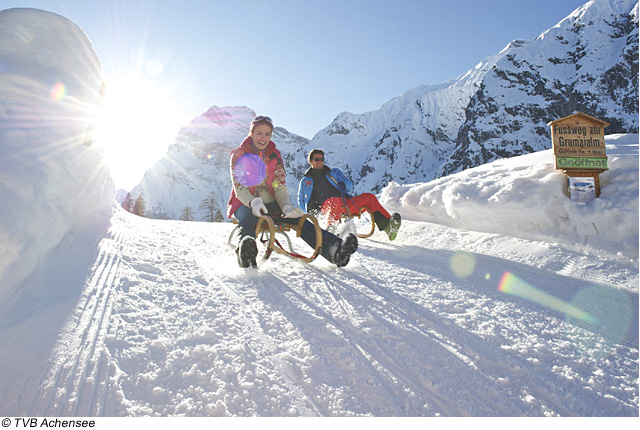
372	355
79	380
377	324
373	341
305	402
368	360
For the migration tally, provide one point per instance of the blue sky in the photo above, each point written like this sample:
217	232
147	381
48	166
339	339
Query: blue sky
301	62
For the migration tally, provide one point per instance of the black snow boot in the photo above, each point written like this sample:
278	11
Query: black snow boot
342	249
247	251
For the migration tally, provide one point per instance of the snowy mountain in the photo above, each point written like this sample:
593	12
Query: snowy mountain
197	164
588	62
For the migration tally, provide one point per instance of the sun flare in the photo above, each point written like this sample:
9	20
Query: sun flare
135	124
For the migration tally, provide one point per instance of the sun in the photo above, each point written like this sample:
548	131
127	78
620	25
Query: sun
136	122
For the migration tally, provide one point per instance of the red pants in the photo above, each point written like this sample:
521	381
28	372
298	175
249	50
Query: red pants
334	208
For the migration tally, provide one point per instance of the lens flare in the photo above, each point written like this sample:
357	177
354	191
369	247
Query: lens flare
612	308
154	67
462	264
609	315
58	91
512	285
250	170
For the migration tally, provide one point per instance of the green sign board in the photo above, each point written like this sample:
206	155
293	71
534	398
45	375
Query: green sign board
581	163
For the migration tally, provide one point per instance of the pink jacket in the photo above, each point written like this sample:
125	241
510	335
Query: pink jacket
250	167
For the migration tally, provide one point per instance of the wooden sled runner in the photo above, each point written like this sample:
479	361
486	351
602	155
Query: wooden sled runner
364	221
266	230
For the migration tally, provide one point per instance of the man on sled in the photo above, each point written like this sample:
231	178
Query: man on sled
328	191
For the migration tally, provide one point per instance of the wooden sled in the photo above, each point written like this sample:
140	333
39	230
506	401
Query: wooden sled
266	230
366	224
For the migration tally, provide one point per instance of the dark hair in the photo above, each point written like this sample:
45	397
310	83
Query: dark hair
314	152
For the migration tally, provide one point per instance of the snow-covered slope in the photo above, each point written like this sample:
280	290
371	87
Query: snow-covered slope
462	315
443	322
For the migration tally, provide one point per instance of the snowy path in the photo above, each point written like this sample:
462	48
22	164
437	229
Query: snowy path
167	324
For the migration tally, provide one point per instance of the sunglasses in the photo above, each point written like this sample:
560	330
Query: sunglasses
318	159
263	118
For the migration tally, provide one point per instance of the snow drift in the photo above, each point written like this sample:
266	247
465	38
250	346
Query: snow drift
53	181
525	196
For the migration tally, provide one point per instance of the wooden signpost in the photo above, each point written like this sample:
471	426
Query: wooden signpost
579	151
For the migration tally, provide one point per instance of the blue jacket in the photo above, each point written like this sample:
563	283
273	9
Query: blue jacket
334	176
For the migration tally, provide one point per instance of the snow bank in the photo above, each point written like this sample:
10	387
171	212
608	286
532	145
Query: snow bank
53	181
524	197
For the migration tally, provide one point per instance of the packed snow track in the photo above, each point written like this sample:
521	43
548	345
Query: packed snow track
167	324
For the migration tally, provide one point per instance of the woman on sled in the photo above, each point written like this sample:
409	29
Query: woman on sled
259	187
